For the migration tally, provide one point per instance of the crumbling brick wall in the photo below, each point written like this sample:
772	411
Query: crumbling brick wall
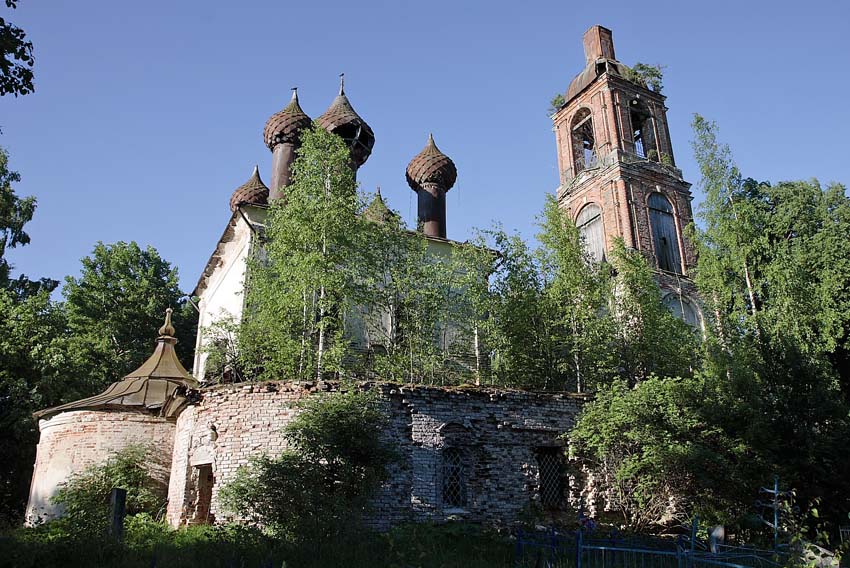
72	441
497	434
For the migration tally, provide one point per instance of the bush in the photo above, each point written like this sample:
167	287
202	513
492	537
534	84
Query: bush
337	458
85	496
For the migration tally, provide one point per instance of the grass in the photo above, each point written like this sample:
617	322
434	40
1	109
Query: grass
149	543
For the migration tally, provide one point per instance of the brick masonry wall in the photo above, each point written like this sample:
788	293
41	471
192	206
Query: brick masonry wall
72	441
496	432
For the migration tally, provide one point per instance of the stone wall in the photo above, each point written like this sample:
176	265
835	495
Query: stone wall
72	441
496	440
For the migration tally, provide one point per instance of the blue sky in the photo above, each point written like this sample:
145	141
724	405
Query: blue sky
148	114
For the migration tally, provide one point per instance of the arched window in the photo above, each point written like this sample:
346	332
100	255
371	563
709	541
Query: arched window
589	223
584	145
664	234
683	309
643	134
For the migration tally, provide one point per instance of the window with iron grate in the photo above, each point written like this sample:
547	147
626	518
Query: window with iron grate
550	462
454	479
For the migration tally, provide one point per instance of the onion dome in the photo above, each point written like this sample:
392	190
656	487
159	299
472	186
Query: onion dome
158	386
431	166
252	192
286	125
342	120
377	211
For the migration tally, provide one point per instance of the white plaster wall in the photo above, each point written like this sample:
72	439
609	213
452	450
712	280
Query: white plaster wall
72	441
224	295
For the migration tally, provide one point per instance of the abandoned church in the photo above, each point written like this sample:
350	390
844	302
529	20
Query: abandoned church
474	453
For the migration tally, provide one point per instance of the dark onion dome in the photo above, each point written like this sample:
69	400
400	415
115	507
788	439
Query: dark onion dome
431	166
252	192
342	120
286	125
377	211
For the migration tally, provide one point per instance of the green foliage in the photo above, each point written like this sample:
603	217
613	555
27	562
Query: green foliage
575	297
555	104
15	212
559	320
149	542
224	363
31	377
774	272
649	76
409	290
301	294
653	445
85	496
650	340
16	59
545	316
339	292
336	458
115	307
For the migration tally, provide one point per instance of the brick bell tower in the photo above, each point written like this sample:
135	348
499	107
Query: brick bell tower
618	174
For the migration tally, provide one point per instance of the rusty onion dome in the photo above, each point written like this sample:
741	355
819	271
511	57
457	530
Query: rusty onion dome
342	120
252	192
431	166
287	124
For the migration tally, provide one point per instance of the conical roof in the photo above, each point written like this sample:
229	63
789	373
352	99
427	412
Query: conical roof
252	192
287	124
431	166
159	385
377	211
343	120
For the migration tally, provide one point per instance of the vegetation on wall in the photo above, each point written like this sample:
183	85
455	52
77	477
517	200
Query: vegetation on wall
646	75
336	458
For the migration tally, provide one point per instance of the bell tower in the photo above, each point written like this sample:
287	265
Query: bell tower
618	174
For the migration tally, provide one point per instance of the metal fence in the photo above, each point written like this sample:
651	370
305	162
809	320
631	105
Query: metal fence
579	550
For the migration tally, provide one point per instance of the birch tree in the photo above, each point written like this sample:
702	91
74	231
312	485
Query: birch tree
301	293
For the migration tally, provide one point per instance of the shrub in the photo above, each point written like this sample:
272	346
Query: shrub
337	457
85	496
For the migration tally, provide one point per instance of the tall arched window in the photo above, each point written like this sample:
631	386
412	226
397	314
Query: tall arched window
664	234
589	223
583	142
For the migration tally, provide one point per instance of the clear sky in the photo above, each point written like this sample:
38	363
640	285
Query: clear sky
147	115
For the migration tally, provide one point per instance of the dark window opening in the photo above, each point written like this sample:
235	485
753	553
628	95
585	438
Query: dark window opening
589	223
454	479
643	136
550	463
583	142
202	482
664	237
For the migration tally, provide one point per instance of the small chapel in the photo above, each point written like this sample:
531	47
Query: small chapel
481	454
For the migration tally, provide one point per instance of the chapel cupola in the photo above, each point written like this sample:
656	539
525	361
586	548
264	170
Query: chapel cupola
158	386
431	174
252	192
281	134
342	120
